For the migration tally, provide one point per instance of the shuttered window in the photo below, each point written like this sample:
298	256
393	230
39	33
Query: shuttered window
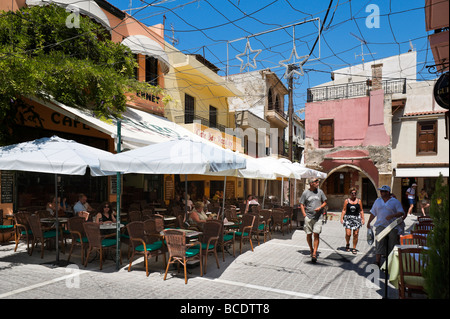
427	138
189	104
326	133
151	70
212	116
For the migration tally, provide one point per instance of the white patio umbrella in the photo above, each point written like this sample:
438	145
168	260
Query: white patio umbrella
178	156
53	155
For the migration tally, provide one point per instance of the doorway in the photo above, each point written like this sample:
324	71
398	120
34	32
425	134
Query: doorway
368	193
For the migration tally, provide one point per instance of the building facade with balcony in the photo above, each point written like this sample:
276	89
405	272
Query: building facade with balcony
351	128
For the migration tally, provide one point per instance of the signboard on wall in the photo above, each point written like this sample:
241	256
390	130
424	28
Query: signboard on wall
169	187
7	187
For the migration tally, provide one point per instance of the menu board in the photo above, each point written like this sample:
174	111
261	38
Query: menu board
230	189
7	184
169	188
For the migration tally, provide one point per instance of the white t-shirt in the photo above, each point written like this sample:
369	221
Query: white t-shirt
411	193
381	210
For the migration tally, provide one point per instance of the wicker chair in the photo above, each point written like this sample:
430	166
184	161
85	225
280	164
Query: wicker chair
413	240
142	244
22	229
280	219
134	216
78	235
96	242
289	211
245	230
41	235
210	239
412	262
226	237
181	252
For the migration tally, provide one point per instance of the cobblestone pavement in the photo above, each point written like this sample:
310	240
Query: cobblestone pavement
281	268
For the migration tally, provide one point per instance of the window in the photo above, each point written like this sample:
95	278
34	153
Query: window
426	138
212	116
326	133
277	103
270	100
188	109
338	183
151	70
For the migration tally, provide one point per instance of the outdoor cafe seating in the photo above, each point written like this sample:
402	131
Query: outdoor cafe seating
42	235
209	240
245	230
22	229
97	242
412	262
78	236
181	252
145	241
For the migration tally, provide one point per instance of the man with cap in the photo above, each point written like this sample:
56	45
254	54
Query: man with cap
386	209
312	202
411	193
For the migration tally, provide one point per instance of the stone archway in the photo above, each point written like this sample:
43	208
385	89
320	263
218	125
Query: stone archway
341	178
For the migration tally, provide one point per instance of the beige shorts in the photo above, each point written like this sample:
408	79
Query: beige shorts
312	226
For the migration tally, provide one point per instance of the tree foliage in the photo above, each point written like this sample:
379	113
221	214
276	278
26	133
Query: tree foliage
437	271
80	67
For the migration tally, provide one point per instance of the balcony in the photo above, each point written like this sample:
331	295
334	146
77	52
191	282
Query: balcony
277	117
353	89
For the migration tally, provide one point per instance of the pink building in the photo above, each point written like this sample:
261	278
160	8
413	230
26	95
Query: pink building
346	136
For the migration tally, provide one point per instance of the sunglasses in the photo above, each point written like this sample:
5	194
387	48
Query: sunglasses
353	193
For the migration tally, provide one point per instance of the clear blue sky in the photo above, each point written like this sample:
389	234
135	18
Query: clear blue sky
205	27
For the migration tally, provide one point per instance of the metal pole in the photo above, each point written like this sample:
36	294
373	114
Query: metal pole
185	198
224	195
118	191
57	221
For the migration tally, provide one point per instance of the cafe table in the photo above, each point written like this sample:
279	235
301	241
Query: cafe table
394	265
109	226
159	210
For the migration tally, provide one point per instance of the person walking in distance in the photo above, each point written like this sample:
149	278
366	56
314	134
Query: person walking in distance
352	218
312	202
411	193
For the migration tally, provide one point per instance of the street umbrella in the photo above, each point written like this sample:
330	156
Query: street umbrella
53	155
178	156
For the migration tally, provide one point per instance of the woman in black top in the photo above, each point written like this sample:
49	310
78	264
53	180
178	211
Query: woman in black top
352	218
105	214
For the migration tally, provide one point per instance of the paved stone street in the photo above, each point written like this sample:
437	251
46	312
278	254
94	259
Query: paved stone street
281	268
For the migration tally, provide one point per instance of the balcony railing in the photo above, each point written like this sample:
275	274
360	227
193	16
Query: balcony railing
354	89
202	120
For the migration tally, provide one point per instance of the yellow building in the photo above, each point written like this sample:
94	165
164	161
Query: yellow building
199	102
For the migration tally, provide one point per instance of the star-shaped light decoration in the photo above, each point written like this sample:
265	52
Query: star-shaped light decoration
294	54
248	50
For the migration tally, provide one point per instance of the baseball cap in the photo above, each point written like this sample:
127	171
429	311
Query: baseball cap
385	188
314	180
414	184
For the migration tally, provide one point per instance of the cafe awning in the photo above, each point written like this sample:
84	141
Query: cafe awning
421	172
138	128
86	7
141	44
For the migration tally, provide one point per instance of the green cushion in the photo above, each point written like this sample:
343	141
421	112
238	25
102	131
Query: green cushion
192	252
238	233
227	237
261	227
84	239
6	227
285	221
414	280
211	246
150	247
126	236
50	234
108	242
24	232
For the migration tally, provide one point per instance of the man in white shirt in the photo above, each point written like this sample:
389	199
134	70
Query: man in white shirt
411	193
386	209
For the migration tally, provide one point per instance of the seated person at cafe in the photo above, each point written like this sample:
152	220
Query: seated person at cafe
190	204
82	205
105	214
251	201
52	207
197	216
